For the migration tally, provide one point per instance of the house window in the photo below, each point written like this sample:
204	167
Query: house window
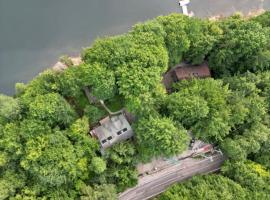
109	138
103	141
119	132
125	129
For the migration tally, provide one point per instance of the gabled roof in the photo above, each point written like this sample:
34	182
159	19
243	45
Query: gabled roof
112	130
186	72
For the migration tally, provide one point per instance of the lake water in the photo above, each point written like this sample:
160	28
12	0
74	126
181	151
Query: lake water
34	33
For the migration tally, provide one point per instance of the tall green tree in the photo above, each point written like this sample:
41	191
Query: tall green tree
9	109
176	38
238	49
53	109
159	137
210	187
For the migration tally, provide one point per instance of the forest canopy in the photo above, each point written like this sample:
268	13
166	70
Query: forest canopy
46	151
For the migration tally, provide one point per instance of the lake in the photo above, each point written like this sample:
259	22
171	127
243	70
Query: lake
34	33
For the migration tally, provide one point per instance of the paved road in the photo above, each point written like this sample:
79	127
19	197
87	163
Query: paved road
152	185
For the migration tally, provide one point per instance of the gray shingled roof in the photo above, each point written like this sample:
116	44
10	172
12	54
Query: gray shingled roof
112	130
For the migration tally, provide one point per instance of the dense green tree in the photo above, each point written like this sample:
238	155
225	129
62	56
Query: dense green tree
150	50
214	123
94	113
187	109
123	177
46	82
66	60
159	137
10	181
10	142
143	46
238	49
110	52
121	170
210	187
248	142
100	80
46	151
98	165
176	38
121	154
263	19
250	175
203	35
140	86
53	109
70	81
42	160
263	156
9	109
251	129
98	192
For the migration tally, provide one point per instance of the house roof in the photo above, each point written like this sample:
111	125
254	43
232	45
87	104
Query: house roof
112	130
186	72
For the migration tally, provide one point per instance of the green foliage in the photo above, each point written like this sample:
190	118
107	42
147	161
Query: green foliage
140	86
263	19
121	154
46	151
238	49
46	82
10	181
53	109
65	59
42	160
94	113
70	81
123	177
143	46
10	142
187	109
213	120
98	165
263	156
176	38
98	192
202	35
9	109
20	88
80	126
159	137
250	175
100	80
251	131
248	142
121	170
115	104
210	187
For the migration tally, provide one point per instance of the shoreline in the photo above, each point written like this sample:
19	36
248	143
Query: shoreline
77	60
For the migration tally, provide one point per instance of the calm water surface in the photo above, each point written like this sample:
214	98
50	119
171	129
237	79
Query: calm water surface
34	33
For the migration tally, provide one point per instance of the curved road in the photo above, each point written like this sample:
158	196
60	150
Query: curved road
152	185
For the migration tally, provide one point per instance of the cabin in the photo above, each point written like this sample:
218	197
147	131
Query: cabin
185	71
112	130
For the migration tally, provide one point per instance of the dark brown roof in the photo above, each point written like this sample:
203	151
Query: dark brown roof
186	72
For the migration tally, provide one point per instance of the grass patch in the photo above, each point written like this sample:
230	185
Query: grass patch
116	103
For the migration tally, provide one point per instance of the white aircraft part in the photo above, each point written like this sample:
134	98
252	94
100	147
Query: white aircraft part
185	10
184	2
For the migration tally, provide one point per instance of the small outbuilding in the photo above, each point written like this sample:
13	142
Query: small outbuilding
185	71
112	130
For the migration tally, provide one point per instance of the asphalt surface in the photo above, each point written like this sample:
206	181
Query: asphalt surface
152	185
